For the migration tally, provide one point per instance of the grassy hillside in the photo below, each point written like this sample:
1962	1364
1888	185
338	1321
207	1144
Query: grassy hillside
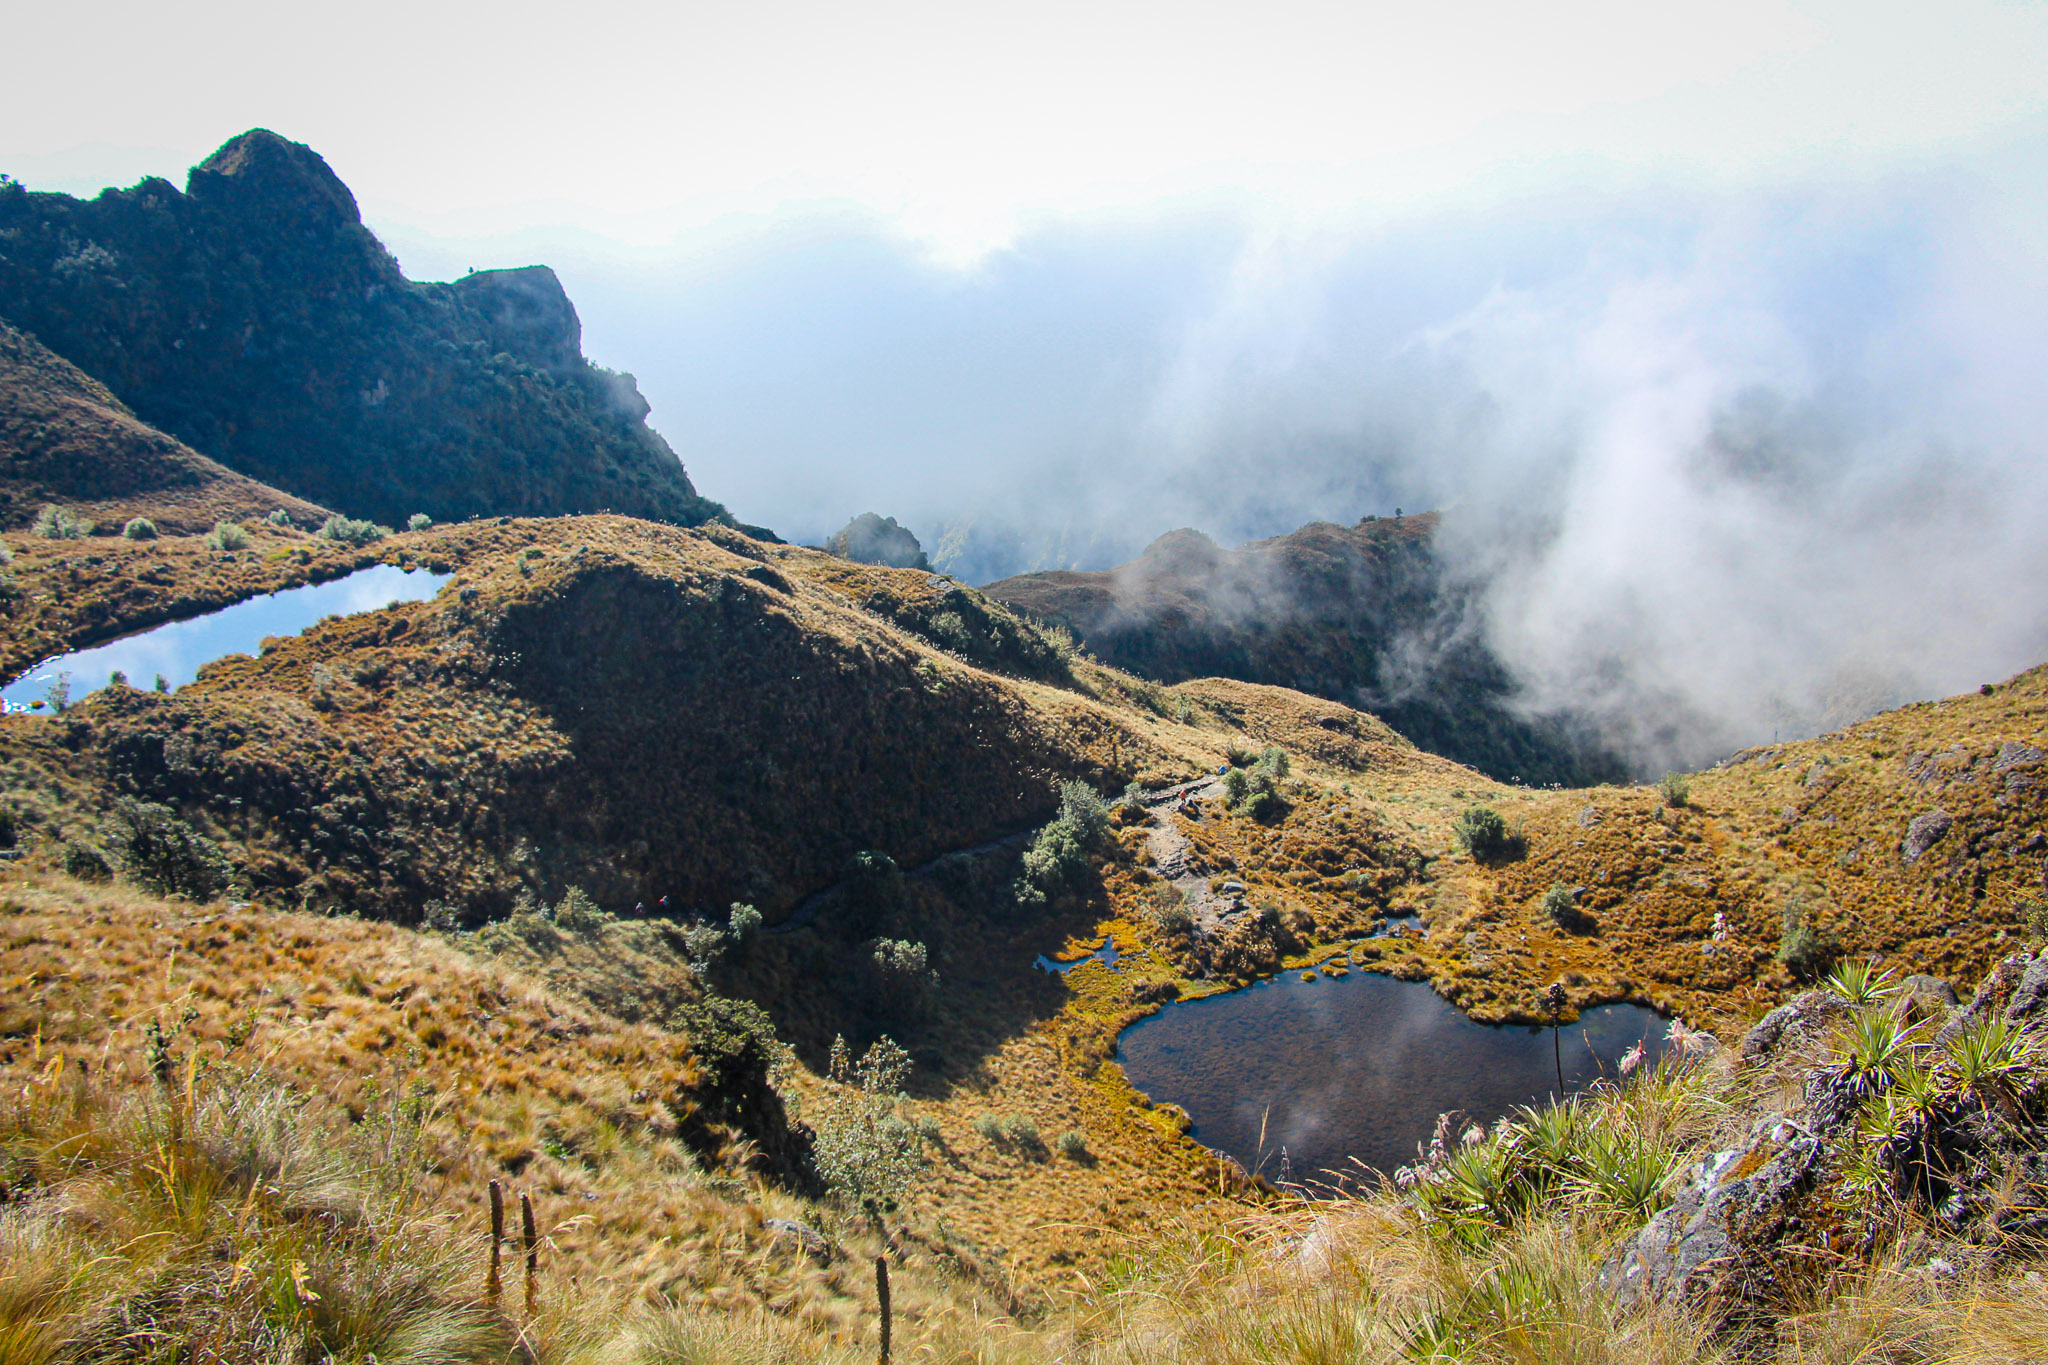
643	712
1361	614
255	318
65	440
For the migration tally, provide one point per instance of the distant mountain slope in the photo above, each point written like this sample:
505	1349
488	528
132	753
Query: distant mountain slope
65	439
255	318
1361	614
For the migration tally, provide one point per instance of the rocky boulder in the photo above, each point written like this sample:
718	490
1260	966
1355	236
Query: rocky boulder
871	539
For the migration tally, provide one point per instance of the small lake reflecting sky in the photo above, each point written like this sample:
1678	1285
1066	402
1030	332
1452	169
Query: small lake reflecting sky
180	649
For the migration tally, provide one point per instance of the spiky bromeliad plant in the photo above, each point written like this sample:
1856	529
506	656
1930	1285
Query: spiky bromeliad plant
1860	983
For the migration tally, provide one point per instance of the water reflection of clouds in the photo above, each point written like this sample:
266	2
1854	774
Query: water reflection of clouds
1359	1065
179	650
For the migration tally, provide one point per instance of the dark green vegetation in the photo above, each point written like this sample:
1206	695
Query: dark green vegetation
256	319
1363	614
69	445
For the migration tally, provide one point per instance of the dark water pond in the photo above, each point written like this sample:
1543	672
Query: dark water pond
180	649
1355	1067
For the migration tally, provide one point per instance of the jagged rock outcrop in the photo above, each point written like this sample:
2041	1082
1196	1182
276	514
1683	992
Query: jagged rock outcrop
1362	614
871	539
1750	1225
255	318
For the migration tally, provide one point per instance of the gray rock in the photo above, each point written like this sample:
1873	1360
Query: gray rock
2013	754
1694	1249
1924	997
1800	1025
1589	817
807	1239
1924	833
2016	990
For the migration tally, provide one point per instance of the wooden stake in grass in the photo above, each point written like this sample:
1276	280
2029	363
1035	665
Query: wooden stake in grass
492	1284
532	1248
882	1296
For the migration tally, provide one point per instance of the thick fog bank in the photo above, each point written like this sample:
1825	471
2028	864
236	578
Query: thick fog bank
1723	464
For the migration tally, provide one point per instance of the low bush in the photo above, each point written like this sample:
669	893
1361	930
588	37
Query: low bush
990	1127
1071	1144
161	852
1254	791
577	913
280	519
85	862
139	528
227	535
1804	948
1674	788
865	1150
1059	857
1482	832
348	531
418	521
61	523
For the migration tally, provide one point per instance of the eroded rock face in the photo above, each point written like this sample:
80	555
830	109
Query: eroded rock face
1748	1224
871	539
1797	1026
1924	833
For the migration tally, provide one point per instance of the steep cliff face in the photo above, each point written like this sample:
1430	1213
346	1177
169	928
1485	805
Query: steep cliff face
1361	614
255	318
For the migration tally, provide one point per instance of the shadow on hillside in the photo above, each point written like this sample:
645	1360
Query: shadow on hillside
833	977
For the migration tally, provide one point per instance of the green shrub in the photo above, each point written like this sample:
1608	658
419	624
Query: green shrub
577	913
347	531
61	523
156	849
1254	791
1132	803
1560	904
1805	949
85	862
140	528
874	891
1058	859
904	986
1483	833
418	521
864	1150
1071	1144
1674	789
743	923
1019	1129
280	519
1167	908
227	535
990	1128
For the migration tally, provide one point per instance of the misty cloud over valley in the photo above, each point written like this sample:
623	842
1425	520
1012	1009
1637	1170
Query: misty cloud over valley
1723	464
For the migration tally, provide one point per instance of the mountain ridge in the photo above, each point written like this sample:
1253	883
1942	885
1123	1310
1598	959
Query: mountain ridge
1365	614
254	317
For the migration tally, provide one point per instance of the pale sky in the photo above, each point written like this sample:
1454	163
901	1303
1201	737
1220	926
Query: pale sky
964	123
